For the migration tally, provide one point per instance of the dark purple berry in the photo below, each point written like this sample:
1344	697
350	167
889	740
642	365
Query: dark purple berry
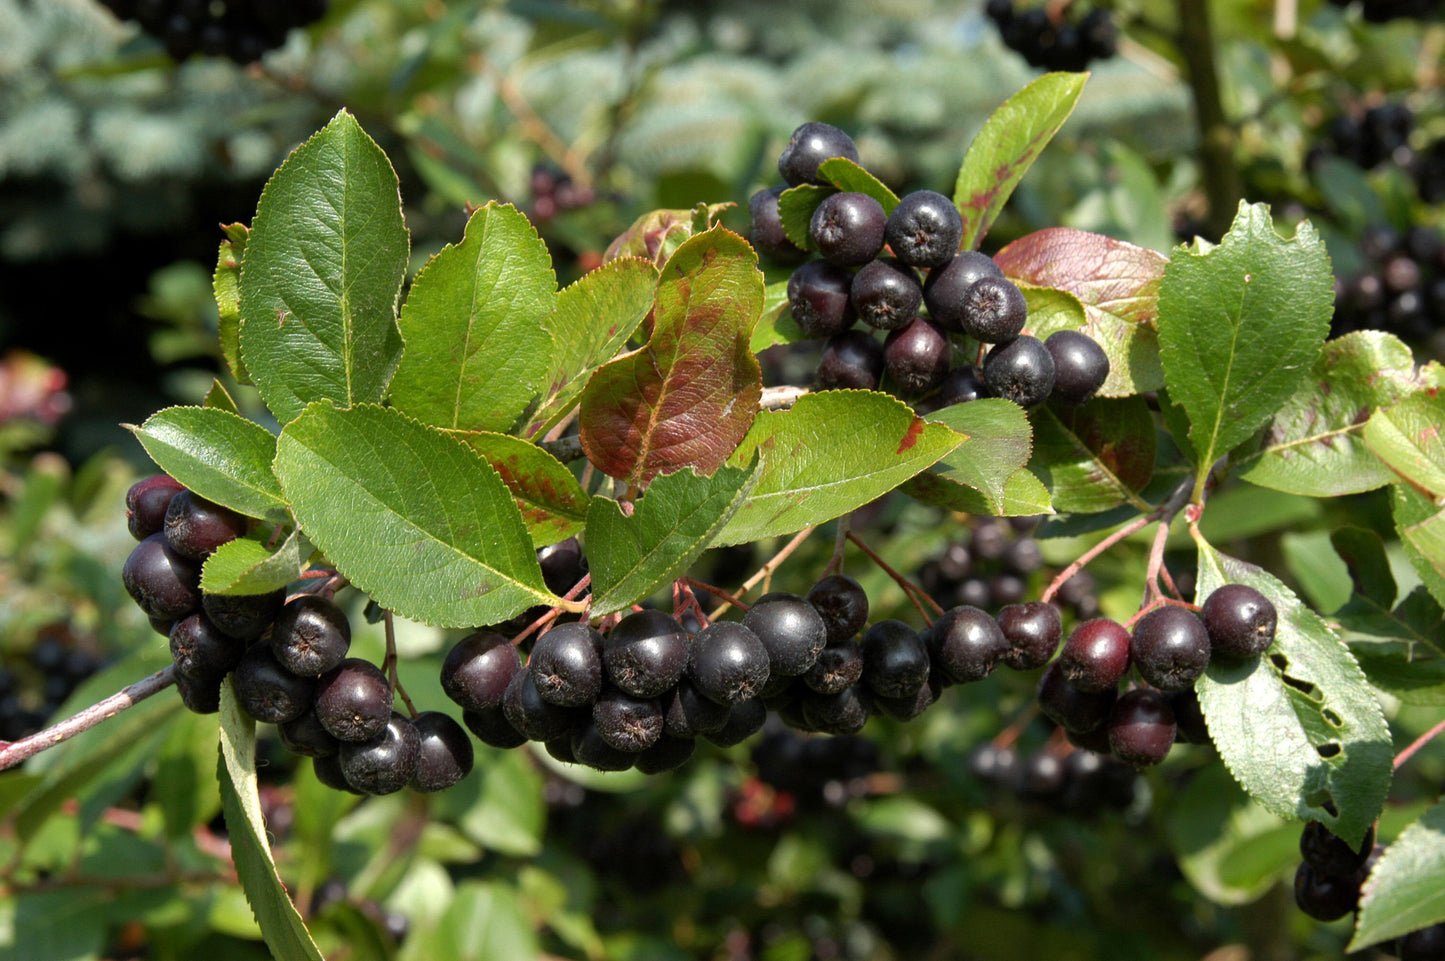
838	714
628	723
847	228
1169	648
966	643
843	605
687	713
646	653
924	230
199	650
1189	724
478	669
1021	370
267	691
917	357
1096	655
838	666
1076	711
668	754
306	736
195	527
910	706
1239	620
385	764
819	296
588	747
533	717
146	503
243	616
200	694
1330	855
1424	944
851	360
947	286
328	772
791	629
810	145
491	727
566	665
1032	631
444	755
895	660
767	235
885	294
961	385
1141	727
166	585
745	719
353	700
1325	897
563	565
1080	366
729	662
994	310
311	636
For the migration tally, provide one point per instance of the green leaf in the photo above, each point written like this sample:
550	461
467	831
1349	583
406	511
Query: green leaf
795	210
847	175
219	455
593	320
1023	495
687	397
477	352
1411	679
1299	728
410	514
226	285
670	527
1052	310
220	398
1096	456
1231	849
1010	141
1407	437
1364	555
484	922
64	925
185	775
281	926
812	471
1000	442
776	325
1241	326
1316	442
1118	285
501	806
322	274
246	566
1421	524
1403	892
552	502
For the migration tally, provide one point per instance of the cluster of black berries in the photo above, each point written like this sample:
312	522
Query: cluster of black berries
1402	290
1383	11
554	192
242	30
1380	135
1051	43
992	565
33	689
813	770
287	659
1169	648
964	296
1075	781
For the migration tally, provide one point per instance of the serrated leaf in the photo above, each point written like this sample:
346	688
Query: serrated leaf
1316	443
226	286
1011	140
811	471
477	352
670	527
1241	326
1023	495
1407	437
552	502
1000	442
847	175
1299	727
1118	285
1231	849
286	935
593	320
1095	456
1403	892
219	455
322	274
795	211
1421	525
410	514
246	566
1051	310
687	397
656	235
220	398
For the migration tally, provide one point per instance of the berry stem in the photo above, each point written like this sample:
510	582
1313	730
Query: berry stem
391	663
912	590
696	584
835	563
1134	526
1418	743
765	572
13	752
684	600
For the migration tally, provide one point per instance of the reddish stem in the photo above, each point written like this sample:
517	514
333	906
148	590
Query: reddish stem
1137	524
14	752
910	589
1418	743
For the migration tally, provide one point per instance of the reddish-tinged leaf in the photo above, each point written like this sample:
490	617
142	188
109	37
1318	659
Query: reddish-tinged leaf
688	396
1118	284
657	234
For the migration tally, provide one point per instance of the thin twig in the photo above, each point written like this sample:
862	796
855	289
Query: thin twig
911	590
840	541
698	585
766	571
1418	743
391	663
14	752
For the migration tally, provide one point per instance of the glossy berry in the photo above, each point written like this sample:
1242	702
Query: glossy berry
1325	897
729	662
885	294
305	735
1021	370
1239	620
1141	727
563	564
961	385
688	713
311	636
767	234
267	691
1330	855
667	754
1169	648
243	616
819	296
491	727
847	228
745	719
566	665
1080	366
1076	711
478	669
385	764
1032	631
199	650
1096	655
810	145
200	694
895	660
843	605
947	286
646	653
353	700
534	718
838	666
444	754
328	771
791	629
909	706
917	358
966	643
165	584
146	503
588	747
838	714
851	360
994	310
628	723
194	526
924	230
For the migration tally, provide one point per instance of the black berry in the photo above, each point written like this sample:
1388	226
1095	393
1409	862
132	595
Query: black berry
478	669
243	616
819	296
146	503
566	665
353	700
628	723
1021	370
267	691
847	228
1080	366
885	294
311	636
194	526
1169	648
1032	631
791	629
946	287
444	755
924	230
383	765
1096	655
838	666
809	146
767	234
851	360
994	310
917	357
1141	727
1239	620
199	650
1325	897
166	585
1076	711
843	605
966	643
646	653
1330	855
895	660
729	662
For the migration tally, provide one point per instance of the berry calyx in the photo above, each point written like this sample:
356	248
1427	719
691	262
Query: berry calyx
924	230
311	635
994	310
847	228
885	294
1021	370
